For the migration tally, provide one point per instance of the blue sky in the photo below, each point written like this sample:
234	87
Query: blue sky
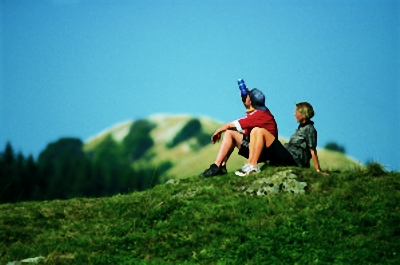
74	68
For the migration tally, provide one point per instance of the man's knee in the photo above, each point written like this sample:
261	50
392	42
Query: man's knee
256	131
234	135
230	133
259	131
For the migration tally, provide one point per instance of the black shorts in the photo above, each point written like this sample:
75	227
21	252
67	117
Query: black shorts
276	153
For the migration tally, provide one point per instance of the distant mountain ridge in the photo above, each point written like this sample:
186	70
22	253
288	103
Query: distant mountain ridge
194	154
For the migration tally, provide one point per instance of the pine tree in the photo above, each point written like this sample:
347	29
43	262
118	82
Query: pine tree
8	174
30	179
57	167
138	140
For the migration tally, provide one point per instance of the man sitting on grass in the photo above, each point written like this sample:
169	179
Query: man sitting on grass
237	133
301	147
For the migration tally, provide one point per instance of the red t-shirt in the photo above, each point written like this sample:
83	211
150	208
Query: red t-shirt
257	118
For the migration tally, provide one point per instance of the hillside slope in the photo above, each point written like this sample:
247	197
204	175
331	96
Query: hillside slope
350	217
188	157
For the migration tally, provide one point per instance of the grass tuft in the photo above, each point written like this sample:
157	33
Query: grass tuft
376	170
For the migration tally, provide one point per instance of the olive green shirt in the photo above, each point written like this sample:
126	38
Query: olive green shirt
304	138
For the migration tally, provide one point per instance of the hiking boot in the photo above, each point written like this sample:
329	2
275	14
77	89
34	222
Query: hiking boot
212	171
223	170
247	169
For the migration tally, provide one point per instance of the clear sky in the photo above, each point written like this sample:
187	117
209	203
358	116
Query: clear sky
75	68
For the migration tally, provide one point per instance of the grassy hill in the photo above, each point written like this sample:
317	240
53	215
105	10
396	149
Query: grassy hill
188	157
349	217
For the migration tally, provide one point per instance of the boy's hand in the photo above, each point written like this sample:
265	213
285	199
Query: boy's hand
216	137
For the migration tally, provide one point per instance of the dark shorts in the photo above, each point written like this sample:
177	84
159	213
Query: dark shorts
276	153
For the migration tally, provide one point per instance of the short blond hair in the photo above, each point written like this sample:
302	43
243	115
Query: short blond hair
305	109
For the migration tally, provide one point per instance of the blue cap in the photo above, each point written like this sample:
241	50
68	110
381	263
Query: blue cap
257	99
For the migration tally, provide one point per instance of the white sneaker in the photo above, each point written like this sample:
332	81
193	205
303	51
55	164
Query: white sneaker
241	171
247	169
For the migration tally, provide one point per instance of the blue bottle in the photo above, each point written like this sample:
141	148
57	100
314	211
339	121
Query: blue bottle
242	87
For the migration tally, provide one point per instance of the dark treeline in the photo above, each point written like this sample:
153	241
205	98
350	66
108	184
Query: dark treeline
63	170
335	147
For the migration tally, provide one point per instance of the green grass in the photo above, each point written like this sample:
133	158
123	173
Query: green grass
349	217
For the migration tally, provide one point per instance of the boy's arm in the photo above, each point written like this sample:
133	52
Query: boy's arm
217	135
314	155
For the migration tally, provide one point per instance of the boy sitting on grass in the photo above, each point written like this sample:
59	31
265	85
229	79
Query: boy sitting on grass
237	133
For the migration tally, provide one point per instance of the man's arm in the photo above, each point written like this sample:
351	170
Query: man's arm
314	155
217	135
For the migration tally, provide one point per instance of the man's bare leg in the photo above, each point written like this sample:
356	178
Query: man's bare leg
259	139
229	141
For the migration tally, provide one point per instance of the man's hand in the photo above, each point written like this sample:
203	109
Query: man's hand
216	137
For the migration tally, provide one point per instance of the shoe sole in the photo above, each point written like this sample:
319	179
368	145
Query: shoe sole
242	174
